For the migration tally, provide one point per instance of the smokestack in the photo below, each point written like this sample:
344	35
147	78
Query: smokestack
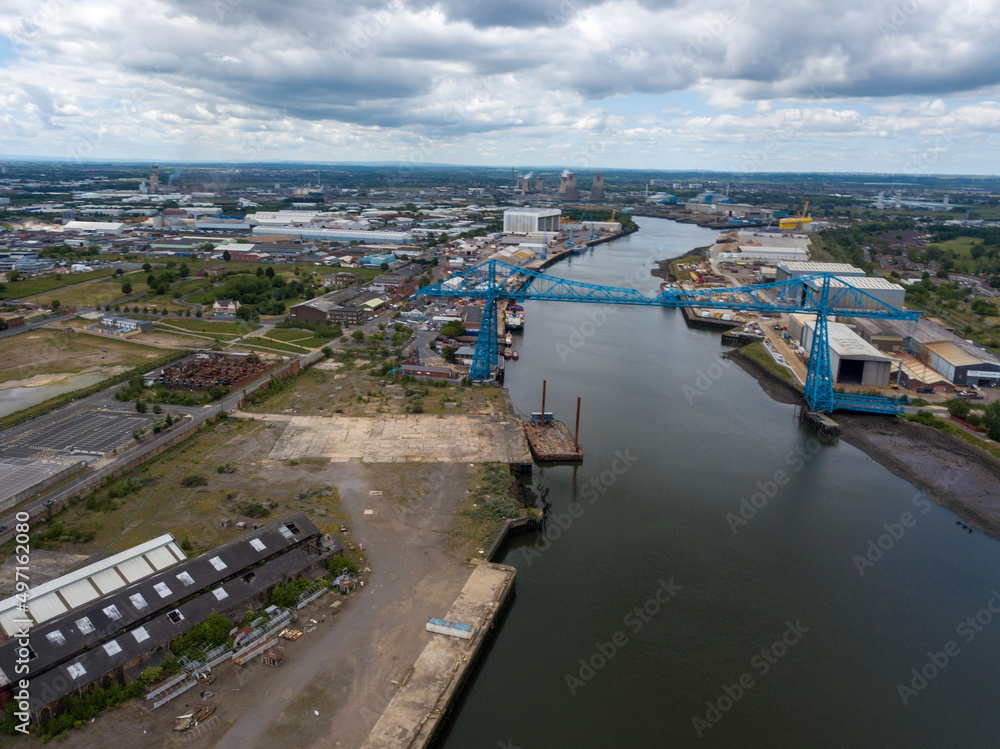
597	190
571	192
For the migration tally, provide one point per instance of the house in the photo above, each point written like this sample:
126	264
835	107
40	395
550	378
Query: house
125	324
342	280
225	309
423	371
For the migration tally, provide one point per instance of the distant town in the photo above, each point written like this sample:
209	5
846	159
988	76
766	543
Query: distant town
226	392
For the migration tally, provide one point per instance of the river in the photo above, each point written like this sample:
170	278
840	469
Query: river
662	610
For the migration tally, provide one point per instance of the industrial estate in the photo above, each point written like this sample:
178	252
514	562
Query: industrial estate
231	399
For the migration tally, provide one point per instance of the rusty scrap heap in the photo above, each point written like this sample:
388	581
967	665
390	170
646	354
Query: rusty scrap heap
204	371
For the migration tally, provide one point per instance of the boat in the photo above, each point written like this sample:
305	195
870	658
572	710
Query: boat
508	339
514	355
507	353
190	720
514	320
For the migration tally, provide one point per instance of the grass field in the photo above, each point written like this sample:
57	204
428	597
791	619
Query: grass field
272	344
32	286
165	505
211	326
86	295
41	351
289	334
189	287
961	246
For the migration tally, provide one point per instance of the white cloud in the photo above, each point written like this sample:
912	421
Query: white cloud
477	80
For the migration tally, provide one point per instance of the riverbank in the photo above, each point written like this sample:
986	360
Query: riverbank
954	474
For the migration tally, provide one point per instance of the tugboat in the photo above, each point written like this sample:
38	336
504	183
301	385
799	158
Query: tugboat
507	354
509	339
514	355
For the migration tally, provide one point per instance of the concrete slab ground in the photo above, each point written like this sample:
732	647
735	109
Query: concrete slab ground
393	439
412	715
45	565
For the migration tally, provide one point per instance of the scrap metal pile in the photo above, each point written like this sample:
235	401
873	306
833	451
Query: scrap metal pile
207	370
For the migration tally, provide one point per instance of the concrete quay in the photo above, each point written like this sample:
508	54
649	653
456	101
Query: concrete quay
417	711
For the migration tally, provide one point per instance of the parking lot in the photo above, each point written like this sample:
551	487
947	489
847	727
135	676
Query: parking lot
95	432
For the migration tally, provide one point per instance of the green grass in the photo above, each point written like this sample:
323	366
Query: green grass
210	326
289	334
19	417
272	344
189	287
85	295
956	431
759	354
961	246
32	286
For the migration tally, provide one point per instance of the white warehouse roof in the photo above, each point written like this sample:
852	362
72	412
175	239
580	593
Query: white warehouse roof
93	226
56	597
840	269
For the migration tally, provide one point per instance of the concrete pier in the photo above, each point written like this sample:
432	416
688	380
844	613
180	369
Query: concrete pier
416	712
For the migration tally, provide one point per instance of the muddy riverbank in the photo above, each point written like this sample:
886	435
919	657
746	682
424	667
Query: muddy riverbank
953	473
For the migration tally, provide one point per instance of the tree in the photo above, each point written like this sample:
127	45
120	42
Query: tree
140	406
3	324
183	271
260	272
384	266
448	354
55	304
119	272
147	267
226	256
14	275
269	272
357	335
151	280
161	289
991	420
126	288
327	351
453	329
959	408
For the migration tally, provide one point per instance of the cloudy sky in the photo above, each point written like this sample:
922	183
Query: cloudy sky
909	86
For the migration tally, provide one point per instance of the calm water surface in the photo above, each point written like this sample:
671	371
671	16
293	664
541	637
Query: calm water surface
658	616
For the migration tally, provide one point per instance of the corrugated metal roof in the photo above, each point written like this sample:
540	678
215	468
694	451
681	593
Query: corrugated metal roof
954	355
76	589
96	620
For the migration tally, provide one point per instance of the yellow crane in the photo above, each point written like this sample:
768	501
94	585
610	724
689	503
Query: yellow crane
796	222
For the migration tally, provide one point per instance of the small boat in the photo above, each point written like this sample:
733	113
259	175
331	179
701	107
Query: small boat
190	720
509	339
514	355
507	353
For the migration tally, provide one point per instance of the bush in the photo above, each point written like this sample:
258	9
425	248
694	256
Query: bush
252	510
194	480
959	408
337	564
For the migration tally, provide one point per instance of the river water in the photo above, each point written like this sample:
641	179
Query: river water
655	614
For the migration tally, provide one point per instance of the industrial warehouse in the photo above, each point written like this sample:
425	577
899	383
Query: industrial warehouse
92	631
